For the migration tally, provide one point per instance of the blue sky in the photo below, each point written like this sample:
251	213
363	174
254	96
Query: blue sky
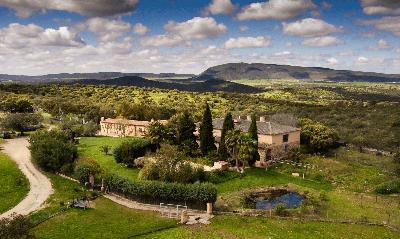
53	36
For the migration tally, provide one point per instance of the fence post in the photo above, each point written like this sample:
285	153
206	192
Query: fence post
209	208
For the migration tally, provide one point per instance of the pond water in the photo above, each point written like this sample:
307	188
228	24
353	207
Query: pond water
289	200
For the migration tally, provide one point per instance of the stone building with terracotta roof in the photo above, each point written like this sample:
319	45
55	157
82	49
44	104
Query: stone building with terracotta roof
274	140
122	127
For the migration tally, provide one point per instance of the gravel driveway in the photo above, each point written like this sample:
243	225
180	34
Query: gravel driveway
40	185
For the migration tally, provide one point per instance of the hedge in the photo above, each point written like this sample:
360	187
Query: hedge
128	151
389	187
156	191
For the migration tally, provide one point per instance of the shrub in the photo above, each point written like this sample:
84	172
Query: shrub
389	187
280	210
171	170
162	191
128	151
15	227
218	176
85	167
51	150
396	158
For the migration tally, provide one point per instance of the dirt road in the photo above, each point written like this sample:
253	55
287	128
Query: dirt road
40	185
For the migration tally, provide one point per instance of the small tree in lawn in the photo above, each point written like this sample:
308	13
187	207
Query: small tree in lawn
254	136
207	141
105	149
228	125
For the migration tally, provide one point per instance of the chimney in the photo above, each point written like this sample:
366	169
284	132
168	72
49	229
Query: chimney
262	119
249	117
102	119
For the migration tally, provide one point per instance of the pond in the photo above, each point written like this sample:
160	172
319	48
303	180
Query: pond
289	200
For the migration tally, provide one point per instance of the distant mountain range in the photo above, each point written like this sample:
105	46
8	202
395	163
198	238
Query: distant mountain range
258	71
217	78
211	85
97	76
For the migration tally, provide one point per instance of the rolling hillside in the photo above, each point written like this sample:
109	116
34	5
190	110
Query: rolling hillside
258	71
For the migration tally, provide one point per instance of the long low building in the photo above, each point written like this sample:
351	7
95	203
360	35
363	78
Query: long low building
274	140
124	128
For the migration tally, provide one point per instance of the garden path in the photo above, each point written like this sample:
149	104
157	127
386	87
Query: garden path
141	206
40	185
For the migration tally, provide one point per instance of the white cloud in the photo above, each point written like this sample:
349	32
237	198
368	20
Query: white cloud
31	35
309	27
92	8
181	33
105	29
389	24
220	7
386	7
163	40
362	60
196	28
321	41
283	53
332	61
247	42
140	29
275	9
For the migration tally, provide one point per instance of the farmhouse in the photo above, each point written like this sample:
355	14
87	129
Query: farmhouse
274	139
122	127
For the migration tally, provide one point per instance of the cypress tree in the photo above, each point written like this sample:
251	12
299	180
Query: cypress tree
253	134
185	132
228	125
207	142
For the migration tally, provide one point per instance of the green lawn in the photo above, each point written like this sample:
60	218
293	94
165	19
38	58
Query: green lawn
90	147
257	177
64	191
106	220
254	227
13	184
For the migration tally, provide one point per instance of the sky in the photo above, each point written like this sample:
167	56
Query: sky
188	36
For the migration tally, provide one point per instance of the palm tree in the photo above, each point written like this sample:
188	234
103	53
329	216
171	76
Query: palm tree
240	146
232	142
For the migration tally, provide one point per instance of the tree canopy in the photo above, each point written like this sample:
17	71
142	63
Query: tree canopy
227	125
52	150
207	141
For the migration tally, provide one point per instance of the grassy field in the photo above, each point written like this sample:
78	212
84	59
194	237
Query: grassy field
257	177
253	227
355	203
106	220
13	184
90	147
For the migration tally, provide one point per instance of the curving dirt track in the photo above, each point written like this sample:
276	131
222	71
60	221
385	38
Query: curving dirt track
40	185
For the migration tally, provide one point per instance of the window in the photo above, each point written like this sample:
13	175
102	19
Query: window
285	138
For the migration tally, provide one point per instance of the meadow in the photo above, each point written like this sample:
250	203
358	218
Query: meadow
13	184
